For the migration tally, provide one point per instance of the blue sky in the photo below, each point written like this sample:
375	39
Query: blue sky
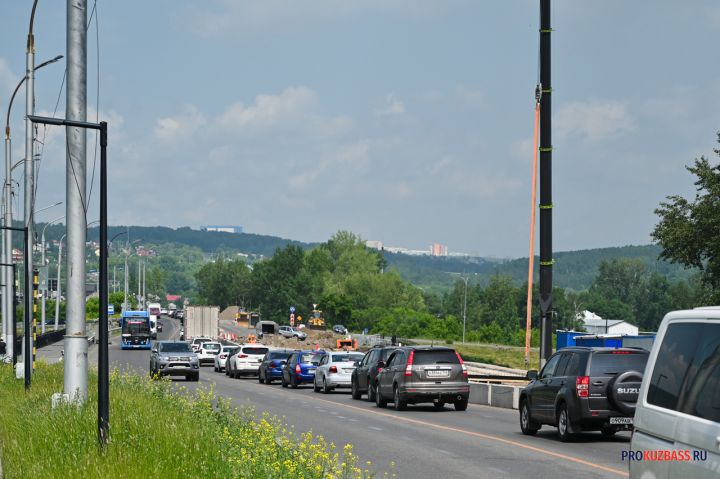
405	121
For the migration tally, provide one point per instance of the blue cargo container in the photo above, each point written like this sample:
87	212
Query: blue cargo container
566	339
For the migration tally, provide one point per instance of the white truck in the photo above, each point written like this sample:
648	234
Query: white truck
153	310
202	321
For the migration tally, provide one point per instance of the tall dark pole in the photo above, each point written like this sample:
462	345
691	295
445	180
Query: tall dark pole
546	260
103	366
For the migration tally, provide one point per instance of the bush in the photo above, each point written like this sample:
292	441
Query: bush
155	432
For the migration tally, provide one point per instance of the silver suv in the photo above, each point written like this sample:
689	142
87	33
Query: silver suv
174	358
677	417
415	375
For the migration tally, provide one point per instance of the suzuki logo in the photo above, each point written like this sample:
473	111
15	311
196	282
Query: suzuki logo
628	390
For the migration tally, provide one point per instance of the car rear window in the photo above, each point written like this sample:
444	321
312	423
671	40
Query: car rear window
212	346
310	357
443	356
278	355
616	362
686	375
346	358
254	350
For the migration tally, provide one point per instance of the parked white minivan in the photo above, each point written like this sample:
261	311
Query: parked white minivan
677	416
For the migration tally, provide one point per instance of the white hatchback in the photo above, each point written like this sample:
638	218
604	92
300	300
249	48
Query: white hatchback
220	359
677	416
246	360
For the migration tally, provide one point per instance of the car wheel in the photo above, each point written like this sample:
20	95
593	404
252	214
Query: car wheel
217	370
608	431
399	403
461	404
379	401
316	388
196	377
293	382
563	424
354	391
326	389
261	379
227	370
527	425
371	391
284	383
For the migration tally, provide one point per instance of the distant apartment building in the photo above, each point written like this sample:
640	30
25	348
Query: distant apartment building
223	229
374	244
437	249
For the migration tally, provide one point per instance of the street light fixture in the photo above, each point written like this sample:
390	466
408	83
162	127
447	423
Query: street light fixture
7	302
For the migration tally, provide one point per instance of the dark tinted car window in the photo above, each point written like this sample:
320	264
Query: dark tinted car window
254	350
573	365
278	355
686	377
386	353
560	369
549	369
617	362
435	357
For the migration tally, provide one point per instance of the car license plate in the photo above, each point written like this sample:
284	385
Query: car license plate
438	373
621	420
311	370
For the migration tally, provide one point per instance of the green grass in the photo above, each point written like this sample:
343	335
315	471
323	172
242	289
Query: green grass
155	432
508	356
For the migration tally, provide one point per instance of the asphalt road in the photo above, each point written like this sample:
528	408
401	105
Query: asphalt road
482	442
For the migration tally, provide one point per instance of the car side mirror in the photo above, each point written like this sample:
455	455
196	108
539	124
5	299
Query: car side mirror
283	363
356	363
532	375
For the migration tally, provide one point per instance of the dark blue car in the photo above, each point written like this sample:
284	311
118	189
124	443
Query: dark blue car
300	367
272	366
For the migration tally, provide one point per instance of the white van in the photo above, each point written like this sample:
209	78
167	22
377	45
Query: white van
677	416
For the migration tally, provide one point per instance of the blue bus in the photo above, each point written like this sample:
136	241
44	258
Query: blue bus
135	330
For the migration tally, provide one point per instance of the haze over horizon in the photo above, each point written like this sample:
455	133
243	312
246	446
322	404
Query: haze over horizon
408	122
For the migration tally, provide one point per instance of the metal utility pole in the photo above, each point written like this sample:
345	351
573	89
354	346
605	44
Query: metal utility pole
76	345
139	278
465	308
114	280
58	294
144	284
546	205
125	302
29	193
44	293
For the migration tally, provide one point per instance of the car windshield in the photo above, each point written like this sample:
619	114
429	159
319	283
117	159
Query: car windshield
441	356
346	358
616	362
174	347
254	350
136	328
212	346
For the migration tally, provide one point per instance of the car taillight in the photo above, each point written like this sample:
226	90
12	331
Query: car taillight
462	363
333	369
272	364
297	369
408	366
223	356
621	352
242	355
582	386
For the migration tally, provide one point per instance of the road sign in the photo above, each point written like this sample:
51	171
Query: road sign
292	309
111	309
292	319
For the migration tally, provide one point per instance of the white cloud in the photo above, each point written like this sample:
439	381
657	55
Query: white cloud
391	106
594	120
175	128
342	159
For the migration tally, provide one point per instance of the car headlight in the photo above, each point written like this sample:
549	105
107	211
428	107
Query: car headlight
164	358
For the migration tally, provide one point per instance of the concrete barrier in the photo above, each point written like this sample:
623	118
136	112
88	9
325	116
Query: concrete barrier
496	395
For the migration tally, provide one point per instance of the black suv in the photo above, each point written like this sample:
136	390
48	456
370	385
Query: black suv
582	388
363	377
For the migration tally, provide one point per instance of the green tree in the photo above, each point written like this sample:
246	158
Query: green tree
687	230
224	282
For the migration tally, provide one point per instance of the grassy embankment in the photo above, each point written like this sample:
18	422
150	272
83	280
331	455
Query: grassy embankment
508	356
155	432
